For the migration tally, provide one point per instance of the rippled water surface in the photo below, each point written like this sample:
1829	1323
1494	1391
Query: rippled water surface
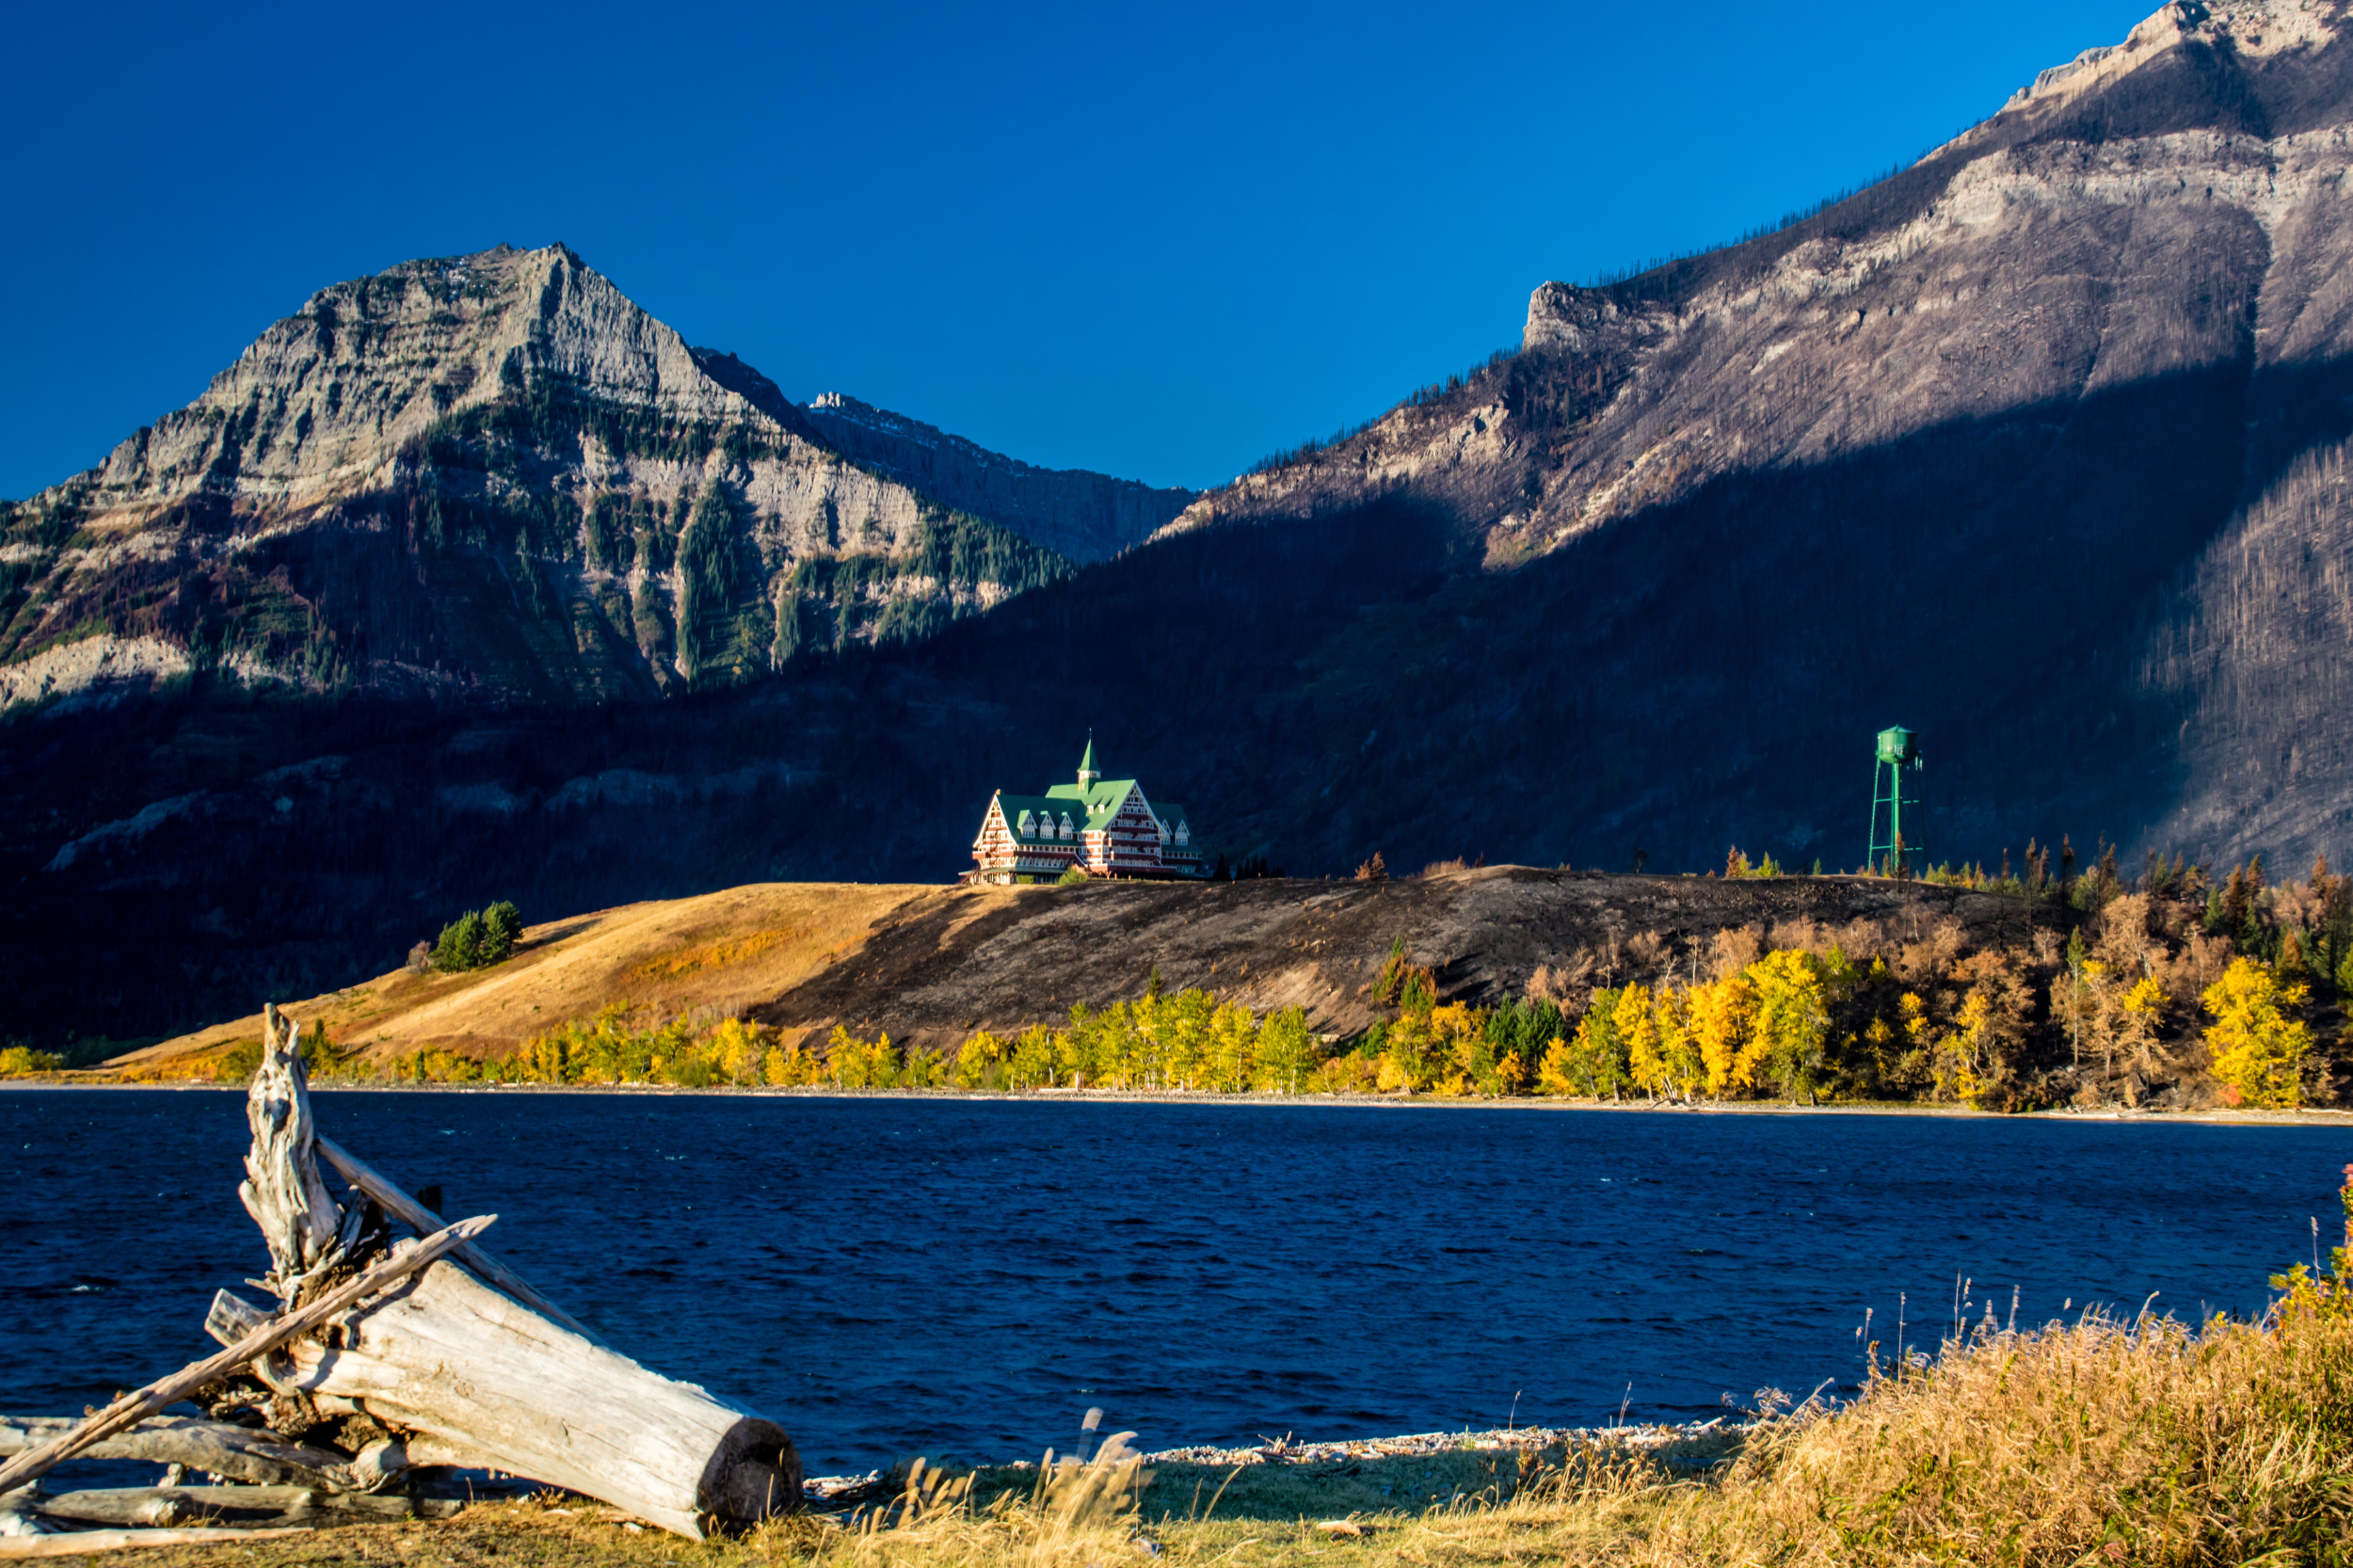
965	1277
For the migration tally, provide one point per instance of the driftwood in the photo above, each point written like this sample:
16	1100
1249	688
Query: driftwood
482	1381
83	1542
139	1405
233	1507
281	1187
485	1374
215	1448
449	1352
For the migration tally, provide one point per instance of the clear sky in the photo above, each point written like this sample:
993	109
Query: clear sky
1160	242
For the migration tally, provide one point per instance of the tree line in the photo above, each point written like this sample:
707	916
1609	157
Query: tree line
2177	978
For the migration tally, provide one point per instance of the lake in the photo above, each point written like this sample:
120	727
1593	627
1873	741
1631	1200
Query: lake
965	1277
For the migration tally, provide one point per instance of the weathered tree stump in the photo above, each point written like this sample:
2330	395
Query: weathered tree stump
464	1374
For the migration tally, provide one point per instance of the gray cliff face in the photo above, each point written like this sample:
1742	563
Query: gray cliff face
1081	515
492	476
2076	386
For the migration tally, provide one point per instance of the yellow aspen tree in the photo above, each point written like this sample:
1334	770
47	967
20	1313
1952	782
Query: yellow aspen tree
1671	1011
1459	1044
1638	1037
2258	1050
1968	1059
1723	1014
976	1057
1233	1045
1552	1070
2143	1011
1031	1062
1188	1036
1792	1018
1149	1016
735	1050
1284	1055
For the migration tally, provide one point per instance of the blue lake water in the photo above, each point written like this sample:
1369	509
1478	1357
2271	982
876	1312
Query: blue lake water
965	1277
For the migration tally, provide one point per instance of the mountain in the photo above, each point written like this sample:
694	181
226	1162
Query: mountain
2036	445
488	479
1083	516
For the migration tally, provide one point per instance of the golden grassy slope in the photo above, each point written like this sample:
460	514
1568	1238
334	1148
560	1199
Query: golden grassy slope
718	952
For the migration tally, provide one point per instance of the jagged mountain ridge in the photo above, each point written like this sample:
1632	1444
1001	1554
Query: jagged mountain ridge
2036	446
1085	516
489	478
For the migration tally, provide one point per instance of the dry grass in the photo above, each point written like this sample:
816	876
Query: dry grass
2074	1444
715	953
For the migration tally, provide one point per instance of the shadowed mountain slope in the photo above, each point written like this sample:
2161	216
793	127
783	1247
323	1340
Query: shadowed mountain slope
2036	446
1085	516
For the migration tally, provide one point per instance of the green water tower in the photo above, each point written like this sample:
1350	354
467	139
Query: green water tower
1896	787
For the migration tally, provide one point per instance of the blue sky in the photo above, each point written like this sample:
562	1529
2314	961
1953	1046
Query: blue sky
1157	242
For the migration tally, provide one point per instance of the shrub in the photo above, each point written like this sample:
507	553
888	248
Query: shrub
1072	877
19	1060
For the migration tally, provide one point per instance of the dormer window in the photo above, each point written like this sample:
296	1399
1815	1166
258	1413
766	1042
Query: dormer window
1029	825
1066	825
1163	826
1184	833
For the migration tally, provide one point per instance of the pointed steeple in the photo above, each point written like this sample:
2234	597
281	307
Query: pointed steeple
1088	775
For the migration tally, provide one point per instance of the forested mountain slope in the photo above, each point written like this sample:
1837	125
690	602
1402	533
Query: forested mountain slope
2036	446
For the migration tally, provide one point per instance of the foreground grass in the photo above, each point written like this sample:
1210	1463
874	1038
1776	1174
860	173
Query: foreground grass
2097	1442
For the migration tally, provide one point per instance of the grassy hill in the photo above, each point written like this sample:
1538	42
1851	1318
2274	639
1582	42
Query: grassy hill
932	964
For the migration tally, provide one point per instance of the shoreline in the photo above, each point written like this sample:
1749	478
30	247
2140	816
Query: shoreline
1707	1442
2308	1117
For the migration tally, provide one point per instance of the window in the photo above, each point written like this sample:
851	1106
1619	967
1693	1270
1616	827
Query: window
1184	833
1028	824
1066	825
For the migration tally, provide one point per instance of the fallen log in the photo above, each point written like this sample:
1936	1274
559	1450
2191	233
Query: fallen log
140	1403
241	1454
85	1543
235	1507
478	1379
480	1374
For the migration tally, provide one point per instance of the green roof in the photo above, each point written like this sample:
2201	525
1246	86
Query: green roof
1087	808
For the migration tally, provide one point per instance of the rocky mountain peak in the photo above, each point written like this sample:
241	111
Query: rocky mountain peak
2248	31
322	404
492	476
